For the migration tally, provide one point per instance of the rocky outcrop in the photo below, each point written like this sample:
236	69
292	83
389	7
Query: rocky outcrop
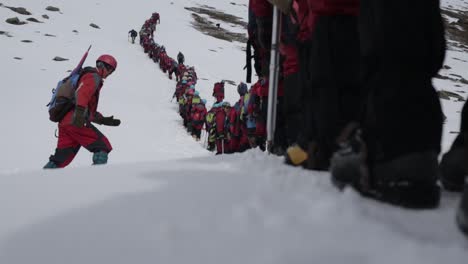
53	9
57	58
19	10
447	95
32	19
15	21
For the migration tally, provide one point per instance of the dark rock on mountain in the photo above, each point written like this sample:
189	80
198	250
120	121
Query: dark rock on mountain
32	19
443	94
230	82
463	80
15	21
53	9
214	29
19	10
442	77
5	33
57	58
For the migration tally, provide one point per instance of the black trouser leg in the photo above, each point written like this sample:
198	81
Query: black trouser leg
404	112
333	92
293	108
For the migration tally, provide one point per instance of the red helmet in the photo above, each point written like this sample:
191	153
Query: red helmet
108	59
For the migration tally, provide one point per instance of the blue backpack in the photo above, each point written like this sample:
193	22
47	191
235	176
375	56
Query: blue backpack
63	96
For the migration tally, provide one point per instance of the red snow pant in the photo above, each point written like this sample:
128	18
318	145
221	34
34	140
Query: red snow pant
244	140
239	143
71	138
234	144
260	131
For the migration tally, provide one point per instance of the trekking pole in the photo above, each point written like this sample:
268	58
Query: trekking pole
273	79
205	140
222	146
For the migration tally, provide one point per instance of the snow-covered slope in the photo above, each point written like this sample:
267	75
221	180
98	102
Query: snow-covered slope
163	198
137	92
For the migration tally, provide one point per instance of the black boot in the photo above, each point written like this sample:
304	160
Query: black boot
454	165
408	180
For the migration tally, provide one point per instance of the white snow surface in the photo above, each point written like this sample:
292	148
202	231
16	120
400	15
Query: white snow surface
162	198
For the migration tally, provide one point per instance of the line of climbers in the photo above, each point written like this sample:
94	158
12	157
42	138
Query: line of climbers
229	128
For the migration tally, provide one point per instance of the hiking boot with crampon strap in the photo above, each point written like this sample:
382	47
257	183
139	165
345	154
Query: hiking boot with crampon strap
408	180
